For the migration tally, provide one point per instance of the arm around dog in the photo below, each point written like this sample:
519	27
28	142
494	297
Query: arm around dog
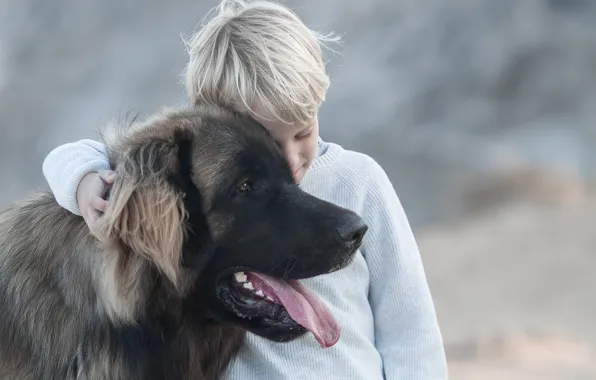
65	166
407	334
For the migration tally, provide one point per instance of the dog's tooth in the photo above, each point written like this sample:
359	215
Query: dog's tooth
240	276
260	293
248	285
269	298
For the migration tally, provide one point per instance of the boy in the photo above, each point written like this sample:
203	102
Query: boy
259	58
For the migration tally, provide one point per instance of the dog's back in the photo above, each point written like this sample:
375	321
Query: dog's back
59	308
38	325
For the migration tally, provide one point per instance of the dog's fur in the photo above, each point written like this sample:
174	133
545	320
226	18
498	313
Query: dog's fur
181	215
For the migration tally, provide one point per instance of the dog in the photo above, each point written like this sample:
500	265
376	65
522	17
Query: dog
207	237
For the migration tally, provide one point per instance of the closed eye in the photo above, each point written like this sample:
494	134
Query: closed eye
304	136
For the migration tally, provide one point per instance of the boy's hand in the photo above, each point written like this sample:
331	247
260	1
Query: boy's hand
91	198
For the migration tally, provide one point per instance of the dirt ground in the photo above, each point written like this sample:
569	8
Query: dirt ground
515	291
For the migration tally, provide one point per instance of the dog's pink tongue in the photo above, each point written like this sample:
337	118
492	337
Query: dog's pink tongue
303	306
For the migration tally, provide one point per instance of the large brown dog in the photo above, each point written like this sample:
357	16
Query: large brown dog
209	237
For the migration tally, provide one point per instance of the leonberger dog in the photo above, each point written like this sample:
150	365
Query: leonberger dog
207	238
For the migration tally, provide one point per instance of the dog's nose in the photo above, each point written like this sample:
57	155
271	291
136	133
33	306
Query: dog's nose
353	231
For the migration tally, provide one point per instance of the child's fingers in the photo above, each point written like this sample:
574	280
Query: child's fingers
99	204
108	176
91	217
94	227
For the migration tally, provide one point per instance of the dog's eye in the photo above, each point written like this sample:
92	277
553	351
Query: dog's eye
245	187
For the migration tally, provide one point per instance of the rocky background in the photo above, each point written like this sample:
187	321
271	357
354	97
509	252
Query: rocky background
479	110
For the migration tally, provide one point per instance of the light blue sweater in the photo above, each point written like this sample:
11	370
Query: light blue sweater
382	302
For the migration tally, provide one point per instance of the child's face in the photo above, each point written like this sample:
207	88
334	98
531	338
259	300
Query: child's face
298	141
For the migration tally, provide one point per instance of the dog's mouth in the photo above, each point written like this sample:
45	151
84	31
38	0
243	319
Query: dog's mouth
287	304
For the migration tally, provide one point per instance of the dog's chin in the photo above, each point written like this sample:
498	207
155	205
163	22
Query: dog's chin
256	312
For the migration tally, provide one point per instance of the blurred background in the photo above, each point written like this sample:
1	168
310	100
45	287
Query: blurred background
481	112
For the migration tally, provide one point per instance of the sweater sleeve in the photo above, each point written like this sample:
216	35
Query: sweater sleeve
407	334
65	166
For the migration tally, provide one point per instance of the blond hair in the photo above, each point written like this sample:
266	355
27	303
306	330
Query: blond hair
258	54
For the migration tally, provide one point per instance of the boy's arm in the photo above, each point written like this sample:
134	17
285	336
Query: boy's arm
407	334
65	166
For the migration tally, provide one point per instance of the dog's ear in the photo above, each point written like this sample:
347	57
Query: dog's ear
146	208
199	246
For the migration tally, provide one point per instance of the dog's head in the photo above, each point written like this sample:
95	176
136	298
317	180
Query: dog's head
208	199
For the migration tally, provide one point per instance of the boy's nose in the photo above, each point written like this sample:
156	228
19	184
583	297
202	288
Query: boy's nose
293	160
